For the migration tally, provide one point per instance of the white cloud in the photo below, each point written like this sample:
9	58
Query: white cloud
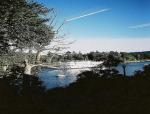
127	45
140	26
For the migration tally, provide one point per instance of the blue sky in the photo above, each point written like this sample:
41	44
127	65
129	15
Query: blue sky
112	24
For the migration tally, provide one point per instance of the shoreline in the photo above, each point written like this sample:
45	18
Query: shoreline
138	61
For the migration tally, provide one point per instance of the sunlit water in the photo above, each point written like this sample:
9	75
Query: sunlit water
62	78
58	78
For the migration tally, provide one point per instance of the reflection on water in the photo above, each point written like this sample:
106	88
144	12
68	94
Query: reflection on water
62	78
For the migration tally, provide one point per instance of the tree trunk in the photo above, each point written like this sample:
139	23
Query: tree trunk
124	70
28	67
30	56
5	68
38	56
51	58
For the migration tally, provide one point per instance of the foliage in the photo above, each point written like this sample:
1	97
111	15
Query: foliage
113	59
141	55
144	73
101	56
90	94
23	25
16	58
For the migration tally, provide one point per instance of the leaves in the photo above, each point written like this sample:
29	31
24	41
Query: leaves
24	24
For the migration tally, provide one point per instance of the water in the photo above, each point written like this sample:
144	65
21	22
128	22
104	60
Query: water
132	67
58	78
62	78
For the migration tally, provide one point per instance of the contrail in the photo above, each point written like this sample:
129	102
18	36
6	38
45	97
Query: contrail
89	14
140	26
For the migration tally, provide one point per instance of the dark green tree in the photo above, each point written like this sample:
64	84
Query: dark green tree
23	25
113	59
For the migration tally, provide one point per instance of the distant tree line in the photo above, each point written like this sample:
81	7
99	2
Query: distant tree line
73	56
98	56
141	55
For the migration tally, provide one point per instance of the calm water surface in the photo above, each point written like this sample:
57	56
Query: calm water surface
58	78
132	67
62	78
